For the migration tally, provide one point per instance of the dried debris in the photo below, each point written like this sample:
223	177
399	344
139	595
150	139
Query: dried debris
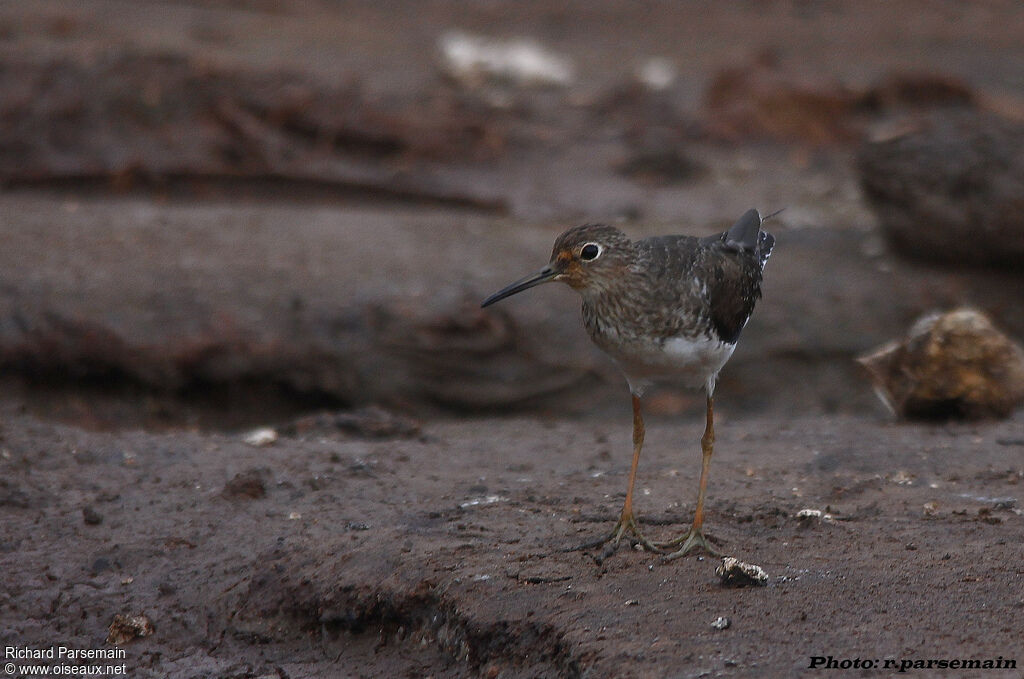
950	365
736	573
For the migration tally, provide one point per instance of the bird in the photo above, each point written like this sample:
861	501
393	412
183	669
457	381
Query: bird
667	310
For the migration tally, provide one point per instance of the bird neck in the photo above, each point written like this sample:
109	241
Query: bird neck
614	300
623	284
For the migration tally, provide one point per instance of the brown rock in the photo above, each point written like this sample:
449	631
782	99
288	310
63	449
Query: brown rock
955	364
951	190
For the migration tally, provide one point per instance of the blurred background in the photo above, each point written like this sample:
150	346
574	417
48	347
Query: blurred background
220	213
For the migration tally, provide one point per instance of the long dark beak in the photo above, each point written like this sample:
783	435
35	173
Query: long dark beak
543	276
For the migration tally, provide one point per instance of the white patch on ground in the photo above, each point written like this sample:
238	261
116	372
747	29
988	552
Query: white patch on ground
261	437
482	501
657	74
473	58
809	515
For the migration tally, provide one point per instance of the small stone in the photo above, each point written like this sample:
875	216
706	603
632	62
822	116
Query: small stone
735	573
263	436
808	516
247	485
91	516
902	478
124	628
721	622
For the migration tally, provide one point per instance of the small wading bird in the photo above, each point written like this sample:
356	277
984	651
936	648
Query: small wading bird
667	309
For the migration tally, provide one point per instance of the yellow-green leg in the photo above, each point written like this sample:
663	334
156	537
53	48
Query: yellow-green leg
695	538
627	521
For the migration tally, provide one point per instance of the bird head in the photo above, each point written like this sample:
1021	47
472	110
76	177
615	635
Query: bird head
588	258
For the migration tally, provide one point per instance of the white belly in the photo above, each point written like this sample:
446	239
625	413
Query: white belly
685	361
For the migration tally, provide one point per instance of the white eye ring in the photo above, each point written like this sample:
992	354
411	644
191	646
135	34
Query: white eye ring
590	252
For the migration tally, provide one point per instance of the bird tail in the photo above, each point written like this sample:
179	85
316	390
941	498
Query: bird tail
743	234
746	234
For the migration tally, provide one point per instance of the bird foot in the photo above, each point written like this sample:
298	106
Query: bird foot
626	524
693	540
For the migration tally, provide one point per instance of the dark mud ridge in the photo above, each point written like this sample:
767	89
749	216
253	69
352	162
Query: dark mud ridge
228	316
419	618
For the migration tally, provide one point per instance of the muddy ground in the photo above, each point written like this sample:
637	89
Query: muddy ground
220	216
441	553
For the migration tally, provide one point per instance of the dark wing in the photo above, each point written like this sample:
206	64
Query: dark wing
734	286
733	263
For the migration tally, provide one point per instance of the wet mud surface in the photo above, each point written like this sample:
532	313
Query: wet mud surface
440	552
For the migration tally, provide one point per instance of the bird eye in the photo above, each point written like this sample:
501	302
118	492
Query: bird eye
590	252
